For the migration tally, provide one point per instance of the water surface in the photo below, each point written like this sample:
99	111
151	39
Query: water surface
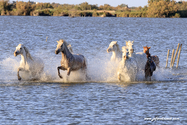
103	100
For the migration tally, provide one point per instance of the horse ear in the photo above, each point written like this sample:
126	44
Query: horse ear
132	41
57	41
124	48
149	47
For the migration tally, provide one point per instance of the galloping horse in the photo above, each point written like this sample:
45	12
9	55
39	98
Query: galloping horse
149	68
116	52
154	58
140	57
69	61
28	63
127	69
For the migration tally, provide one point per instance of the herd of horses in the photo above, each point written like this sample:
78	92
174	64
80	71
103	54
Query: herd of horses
129	62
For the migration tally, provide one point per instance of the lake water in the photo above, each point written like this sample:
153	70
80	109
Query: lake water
103	100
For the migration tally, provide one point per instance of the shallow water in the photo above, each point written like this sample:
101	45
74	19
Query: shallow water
102	100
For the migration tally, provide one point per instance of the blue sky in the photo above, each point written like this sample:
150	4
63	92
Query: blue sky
114	3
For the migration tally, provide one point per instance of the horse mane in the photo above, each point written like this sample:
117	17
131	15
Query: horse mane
70	49
124	48
63	41
118	47
148	55
68	46
28	55
147	52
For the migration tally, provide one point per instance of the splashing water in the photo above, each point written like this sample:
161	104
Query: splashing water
98	70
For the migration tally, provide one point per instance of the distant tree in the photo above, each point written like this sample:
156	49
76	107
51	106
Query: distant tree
105	7
85	6
123	6
22	8
94	7
161	8
4	6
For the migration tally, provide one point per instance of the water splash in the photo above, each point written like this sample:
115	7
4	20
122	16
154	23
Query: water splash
98	70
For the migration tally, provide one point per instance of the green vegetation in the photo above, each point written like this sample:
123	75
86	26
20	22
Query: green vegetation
155	8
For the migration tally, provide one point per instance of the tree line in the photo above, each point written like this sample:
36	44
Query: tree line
155	8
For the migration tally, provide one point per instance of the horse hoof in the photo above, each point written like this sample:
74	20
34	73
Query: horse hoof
19	78
61	77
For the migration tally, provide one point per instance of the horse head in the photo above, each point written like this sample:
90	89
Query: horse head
125	53
62	45
146	49
130	46
113	46
21	49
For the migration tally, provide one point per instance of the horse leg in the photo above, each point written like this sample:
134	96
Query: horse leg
62	68
119	77
19	69
69	71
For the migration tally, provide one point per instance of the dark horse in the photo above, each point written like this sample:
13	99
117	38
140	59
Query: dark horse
154	58
150	66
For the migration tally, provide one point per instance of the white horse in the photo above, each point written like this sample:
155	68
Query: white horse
28	63
116	52
69	61
140	57
128	68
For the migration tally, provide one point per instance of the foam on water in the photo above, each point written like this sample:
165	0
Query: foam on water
97	70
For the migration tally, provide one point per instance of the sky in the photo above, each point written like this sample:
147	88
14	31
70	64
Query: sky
114	3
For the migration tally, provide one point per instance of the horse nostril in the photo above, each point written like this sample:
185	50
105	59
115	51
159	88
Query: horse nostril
56	52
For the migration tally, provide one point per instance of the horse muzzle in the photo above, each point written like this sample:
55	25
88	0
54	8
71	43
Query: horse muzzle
108	50
15	54
56	51
125	57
